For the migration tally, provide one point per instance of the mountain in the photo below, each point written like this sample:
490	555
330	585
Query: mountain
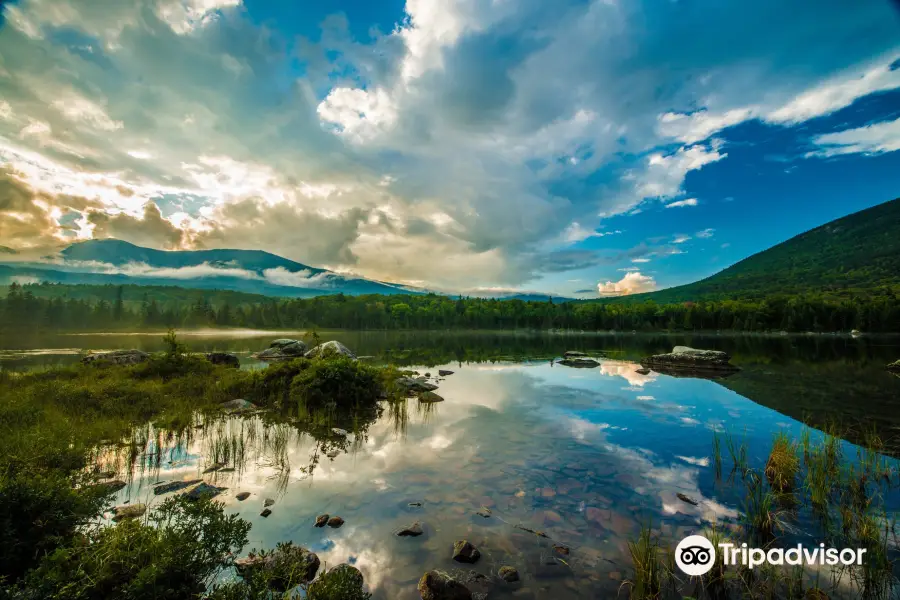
101	262
855	255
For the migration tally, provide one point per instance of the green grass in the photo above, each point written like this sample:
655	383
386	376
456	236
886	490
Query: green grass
645	553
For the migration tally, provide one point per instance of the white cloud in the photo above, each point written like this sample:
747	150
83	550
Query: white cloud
698	126
680	238
706	233
640	260
358	114
876	138
6	112
81	110
681	203
184	16
632	283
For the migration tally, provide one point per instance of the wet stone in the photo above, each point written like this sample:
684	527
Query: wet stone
335	522
414	530
268	502
242	496
322	520
508	574
465	552
265	513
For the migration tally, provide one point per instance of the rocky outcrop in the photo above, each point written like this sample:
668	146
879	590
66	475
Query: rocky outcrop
223	358
283	349
579	362
332	348
286	566
437	585
419	384
129	511
690	361
116	357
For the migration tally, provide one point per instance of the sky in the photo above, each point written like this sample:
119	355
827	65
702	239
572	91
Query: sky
578	147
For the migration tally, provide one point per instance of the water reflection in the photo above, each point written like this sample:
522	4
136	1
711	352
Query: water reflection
585	456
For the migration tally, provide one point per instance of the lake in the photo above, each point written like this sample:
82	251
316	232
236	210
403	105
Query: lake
586	457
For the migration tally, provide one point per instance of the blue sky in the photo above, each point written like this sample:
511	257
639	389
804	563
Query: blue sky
590	147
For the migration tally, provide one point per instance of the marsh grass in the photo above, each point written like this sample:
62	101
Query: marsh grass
645	552
782	465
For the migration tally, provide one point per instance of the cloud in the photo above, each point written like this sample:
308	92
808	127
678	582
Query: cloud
876	138
640	260
632	283
471	143
680	238
150	229
682	203
706	233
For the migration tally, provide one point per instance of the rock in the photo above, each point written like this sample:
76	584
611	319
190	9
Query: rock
687	499
343	581
203	490
174	486
223	358
561	549
283	343
690	361
268	502
339	431
643	371
573	354
129	511
430	397
103	475
271	354
508	574
444	372
283	349
480	585
437	585
335	522
265	513
331	348
579	362
237	405
894	367
242	496
416	504
116	357
483	512
415	385
214	467
287	565
322	520
414	530
109	487
465	552
855	332
427	374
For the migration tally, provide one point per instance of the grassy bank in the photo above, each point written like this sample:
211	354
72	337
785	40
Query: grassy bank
804	492
56	424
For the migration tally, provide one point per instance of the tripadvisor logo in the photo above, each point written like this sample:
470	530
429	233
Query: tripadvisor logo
695	555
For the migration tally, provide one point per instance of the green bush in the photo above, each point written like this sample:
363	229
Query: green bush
337	381
171	558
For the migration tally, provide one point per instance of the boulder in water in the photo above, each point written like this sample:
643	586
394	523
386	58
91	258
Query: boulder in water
342	581
430	397
573	354
444	372
223	358
414	530
437	585
129	511
465	552
203	491
419	384
332	348
509	574
286	566
579	362
116	357
174	486
691	362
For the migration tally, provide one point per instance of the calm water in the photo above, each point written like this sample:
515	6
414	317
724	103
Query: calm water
584	455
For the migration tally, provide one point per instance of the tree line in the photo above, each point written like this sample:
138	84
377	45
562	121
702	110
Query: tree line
23	309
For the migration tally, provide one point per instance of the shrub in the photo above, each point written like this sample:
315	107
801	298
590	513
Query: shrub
337	381
173	557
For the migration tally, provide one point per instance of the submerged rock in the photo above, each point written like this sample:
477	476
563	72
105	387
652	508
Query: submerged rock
335	522
223	358
430	397
642	371
687	499
508	574
203	490
268	502
242	496
444	372
237	405
129	511
265	513
684	360
415	385
332	348
414	530
109	487
174	486
116	357
437	585
465	552
579	362
284	567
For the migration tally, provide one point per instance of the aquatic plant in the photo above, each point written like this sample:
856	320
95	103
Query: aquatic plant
645	558
782	465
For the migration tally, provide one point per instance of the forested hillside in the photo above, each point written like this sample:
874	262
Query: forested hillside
104	308
856	256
